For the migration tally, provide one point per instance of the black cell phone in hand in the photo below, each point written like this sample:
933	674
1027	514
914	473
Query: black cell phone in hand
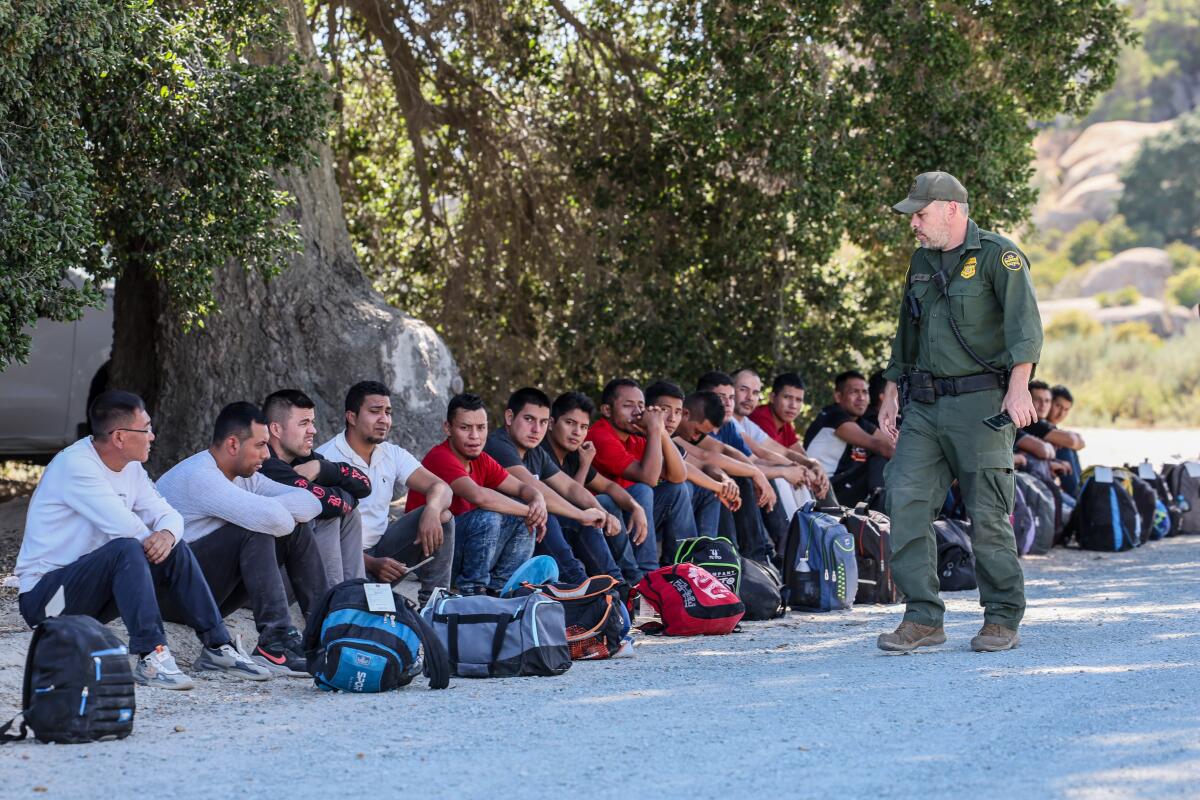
998	422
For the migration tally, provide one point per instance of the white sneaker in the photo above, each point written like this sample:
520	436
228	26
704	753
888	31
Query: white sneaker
159	669
231	659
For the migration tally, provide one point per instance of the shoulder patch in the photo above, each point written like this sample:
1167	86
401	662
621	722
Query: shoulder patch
1011	260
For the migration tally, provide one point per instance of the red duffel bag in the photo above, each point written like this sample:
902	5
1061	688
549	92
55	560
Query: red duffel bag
690	601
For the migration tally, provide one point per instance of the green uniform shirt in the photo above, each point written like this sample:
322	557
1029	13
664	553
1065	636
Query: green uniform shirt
991	295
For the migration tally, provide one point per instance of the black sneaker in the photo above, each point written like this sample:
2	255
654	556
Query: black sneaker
282	656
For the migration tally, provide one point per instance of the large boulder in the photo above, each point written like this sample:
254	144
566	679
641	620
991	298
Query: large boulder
1144	268
1083	181
1164	319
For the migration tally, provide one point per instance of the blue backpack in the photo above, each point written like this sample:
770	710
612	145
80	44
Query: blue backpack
819	563
353	649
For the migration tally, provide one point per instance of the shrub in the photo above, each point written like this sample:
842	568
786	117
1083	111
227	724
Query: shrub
1129	381
1072	324
1128	296
1082	243
1136	331
1183	256
1184	288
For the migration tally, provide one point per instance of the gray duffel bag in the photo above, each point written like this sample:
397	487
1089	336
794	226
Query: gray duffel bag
487	637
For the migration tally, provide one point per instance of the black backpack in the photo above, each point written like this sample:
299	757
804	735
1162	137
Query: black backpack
956	557
1145	500
78	684
762	591
1184	492
718	556
872	533
353	649
1105	518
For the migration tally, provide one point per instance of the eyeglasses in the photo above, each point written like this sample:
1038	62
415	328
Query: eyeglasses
147	429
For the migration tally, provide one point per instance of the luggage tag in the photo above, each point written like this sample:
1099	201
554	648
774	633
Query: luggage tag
1192	468
1145	471
1103	475
380	598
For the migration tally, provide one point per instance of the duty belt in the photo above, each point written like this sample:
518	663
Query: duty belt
966	384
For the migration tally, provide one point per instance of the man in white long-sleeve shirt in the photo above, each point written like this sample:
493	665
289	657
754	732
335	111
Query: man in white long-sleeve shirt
101	539
243	526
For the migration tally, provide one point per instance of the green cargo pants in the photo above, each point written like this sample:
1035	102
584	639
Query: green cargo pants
939	442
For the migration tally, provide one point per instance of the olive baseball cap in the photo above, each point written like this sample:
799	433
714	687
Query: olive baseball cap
930	186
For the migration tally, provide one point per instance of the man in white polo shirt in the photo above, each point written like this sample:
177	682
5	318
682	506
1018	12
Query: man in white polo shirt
100	540
390	546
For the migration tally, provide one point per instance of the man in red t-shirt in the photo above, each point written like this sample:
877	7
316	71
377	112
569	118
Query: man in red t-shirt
777	418
496	516
634	449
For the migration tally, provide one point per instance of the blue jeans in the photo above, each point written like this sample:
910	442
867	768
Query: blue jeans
591	548
707	510
488	548
117	580
668	508
619	546
1069	483
753	541
555	545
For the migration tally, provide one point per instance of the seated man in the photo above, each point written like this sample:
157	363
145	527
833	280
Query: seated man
844	441
703	414
291	423
634	449
709	488
777	420
576	527
1052	406
570	419
389	546
1044	441
243	526
496	515
1061	402
101	539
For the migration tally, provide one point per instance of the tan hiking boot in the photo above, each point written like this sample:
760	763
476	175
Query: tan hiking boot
909	636
993	638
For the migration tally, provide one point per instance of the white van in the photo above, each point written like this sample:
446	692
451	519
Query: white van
43	402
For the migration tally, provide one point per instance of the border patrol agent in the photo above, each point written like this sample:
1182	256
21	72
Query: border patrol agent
969	335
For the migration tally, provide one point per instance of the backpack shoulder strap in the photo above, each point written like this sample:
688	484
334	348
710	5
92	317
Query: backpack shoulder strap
316	618
437	662
26	691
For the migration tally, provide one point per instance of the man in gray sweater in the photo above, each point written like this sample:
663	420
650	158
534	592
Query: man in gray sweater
242	526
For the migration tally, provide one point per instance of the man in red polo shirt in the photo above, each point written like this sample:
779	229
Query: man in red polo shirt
496	516
634	449
777	418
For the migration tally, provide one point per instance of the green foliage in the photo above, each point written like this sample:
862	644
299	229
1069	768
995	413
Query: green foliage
1161	79
1070	324
46	178
568	193
1158	383
1182	256
140	134
1184	288
1162	183
1136	331
1125	296
1093	241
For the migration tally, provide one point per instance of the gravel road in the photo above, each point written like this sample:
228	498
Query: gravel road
1101	701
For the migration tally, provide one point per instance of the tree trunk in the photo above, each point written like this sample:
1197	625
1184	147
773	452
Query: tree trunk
319	327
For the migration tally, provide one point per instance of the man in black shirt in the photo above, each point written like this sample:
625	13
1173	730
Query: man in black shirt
845	442
337	530
577	525
566	444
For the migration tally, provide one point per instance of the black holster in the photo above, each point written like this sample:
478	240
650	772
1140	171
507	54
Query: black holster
920	387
